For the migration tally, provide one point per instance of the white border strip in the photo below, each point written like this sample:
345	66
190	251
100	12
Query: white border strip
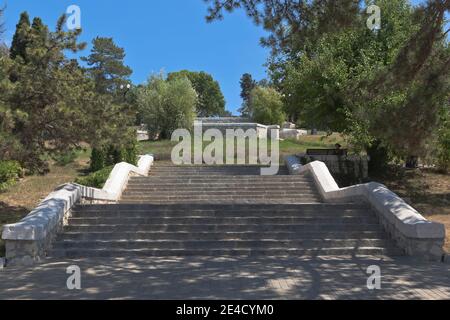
52	211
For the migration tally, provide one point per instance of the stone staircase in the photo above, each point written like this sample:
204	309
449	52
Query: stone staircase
221	211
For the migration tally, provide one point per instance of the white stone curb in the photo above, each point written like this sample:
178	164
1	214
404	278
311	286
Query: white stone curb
398	216
55	208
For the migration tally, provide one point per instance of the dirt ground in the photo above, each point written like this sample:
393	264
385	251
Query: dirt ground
427	191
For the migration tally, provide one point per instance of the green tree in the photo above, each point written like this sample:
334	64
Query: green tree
384	88
247	85
107	67
111	77
21	37
52	105
267	106
211	101
4	50
167	105
2	24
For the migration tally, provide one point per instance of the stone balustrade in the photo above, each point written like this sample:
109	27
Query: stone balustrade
413	233
28	240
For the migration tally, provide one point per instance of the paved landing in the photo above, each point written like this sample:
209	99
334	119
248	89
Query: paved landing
229	278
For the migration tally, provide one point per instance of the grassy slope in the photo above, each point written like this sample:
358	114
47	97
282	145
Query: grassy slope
162	149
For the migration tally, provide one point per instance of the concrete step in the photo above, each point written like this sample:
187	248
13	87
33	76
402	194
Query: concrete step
214	236
320	207
221	220
274	252
222	170
206	196
236	227
220	187
211	200
221	244
217	178
225	196
224	213
212	193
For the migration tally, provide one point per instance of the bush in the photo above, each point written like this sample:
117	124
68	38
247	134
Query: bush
66	158
10	171
379	159
111	155
443	146
97	160
96	179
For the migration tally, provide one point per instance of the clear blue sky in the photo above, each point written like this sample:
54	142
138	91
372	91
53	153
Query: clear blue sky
164	34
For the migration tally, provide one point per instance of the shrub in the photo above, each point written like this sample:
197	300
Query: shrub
443	148
10	171
379	158
66	158
111	155
96	179
130	154
97	160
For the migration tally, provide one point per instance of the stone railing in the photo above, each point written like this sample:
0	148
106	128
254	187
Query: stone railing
413	233
28	240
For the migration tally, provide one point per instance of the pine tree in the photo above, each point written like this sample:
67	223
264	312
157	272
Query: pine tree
107	67
21	37
247	85
38	33
53	105
2	25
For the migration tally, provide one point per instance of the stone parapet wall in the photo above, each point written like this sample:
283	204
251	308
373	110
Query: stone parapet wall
417	236
28	240
262	131
358	166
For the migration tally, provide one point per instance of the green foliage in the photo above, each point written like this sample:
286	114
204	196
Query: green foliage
21	37
111	155
443	145
379	158
107	68
98	158
2	24
346	83
65	158
167	105
211	101
10	171
388	85
96	179
247	85
267	106
49	104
